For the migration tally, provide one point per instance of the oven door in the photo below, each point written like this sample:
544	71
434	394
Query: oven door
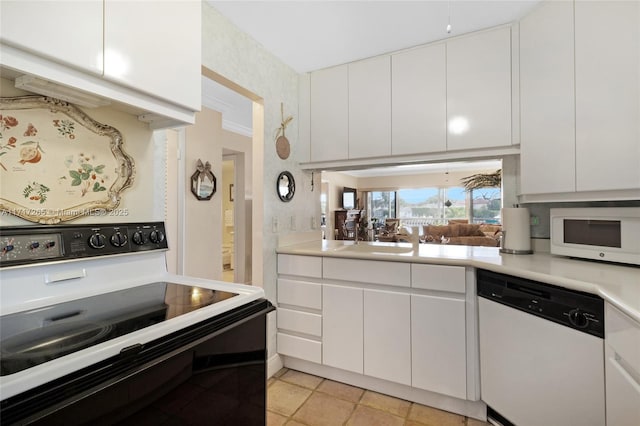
213	372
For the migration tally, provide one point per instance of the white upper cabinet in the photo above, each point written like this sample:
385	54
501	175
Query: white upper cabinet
330	114
479	90
370	108
419	100
547	97
145	56
69	32
155	48
580	100
607	40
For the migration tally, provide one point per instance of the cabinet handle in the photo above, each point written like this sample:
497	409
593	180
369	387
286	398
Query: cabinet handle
626	374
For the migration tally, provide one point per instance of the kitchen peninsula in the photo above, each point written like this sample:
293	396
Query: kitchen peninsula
385	317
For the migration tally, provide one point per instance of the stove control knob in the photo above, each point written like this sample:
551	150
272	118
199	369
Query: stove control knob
118	239
34	245
156	236
97	240
578	318
138	238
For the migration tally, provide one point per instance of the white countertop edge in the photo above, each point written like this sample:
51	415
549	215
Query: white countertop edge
491	259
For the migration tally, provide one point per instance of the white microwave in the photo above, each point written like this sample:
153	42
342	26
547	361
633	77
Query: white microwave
602	233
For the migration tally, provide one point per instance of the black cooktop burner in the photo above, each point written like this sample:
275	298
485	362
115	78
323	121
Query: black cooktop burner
34	337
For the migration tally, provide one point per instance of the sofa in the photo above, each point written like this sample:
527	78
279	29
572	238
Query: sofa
463	234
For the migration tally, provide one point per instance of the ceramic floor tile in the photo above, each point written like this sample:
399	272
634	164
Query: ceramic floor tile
294	423
301	379
280	372
270	381
285	398
323	410
341	390
396	406
367	416
275	419
474	422
434	417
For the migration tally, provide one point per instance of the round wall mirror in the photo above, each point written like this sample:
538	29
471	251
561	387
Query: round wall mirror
286	186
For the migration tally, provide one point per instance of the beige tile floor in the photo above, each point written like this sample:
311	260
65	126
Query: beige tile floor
295	398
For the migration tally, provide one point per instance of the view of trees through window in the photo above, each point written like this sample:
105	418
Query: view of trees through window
437	205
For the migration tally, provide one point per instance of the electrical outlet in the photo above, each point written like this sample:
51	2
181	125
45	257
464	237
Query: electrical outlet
274	225
293	223
313	222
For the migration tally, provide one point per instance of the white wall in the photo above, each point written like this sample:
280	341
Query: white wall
203	219
145	199
237	57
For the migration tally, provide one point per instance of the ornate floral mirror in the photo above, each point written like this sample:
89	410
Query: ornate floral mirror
57	163
286	186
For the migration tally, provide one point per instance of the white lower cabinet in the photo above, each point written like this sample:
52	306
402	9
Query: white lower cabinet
438	351
405	324
342	327
622	368
387	335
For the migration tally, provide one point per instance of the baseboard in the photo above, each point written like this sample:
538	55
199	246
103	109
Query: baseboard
274	364
474	409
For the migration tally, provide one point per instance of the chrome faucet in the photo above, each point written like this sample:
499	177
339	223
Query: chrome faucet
414	236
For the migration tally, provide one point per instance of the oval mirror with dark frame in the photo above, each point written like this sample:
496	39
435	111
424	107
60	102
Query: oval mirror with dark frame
286	186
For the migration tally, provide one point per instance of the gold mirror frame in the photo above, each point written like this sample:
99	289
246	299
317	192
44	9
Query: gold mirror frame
57	121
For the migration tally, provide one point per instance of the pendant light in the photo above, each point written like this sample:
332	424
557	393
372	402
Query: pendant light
448	16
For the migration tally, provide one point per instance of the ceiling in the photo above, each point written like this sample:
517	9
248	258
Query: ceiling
311	35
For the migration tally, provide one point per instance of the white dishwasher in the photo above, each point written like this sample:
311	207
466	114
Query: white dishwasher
541	353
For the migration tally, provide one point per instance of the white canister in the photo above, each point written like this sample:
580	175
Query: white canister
516	231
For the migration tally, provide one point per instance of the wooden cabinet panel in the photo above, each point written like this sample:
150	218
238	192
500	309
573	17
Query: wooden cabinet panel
547	100
607	44
479	90
419	100
342	327
330	114
370	108
387	336
438	340
69	32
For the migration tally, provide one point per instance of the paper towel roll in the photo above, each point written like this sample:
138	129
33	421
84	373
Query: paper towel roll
517	231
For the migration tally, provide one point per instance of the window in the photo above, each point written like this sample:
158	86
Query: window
434	205
486	203
382	204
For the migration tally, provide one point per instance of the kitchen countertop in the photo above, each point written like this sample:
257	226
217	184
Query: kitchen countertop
617	284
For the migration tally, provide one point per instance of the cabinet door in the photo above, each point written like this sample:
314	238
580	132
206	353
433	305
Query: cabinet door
419	101
387	336
622	391
607	40
438	345
479	90
370	108
155	48
547	100
342	335
330	114
64	31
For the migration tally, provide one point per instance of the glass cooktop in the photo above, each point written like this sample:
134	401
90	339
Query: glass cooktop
34	337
